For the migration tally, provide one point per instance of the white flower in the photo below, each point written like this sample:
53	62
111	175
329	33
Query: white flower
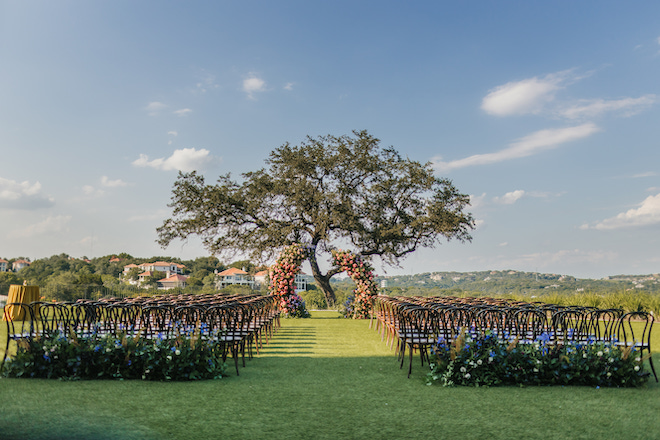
584	355
636	367
169	358
463	369
467	376
609	374
611	360
599	354
490	359
178	352
479	362
108	350
638	359
536	370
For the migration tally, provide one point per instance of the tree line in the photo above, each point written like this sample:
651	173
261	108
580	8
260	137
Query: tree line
67	278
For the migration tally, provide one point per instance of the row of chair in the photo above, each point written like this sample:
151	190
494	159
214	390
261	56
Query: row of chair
237	322
417	323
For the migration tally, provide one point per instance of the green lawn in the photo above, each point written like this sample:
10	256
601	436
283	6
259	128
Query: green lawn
321	378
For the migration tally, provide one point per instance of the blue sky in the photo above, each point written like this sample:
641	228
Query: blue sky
546	113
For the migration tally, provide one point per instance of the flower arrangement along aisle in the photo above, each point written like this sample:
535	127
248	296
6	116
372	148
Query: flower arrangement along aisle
283	281
197	355
361	273
489	361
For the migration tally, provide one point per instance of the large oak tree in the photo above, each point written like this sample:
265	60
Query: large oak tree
326	190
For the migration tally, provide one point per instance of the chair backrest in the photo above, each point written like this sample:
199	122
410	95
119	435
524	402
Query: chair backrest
627	333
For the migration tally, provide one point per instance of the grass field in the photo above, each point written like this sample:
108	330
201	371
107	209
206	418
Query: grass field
320	378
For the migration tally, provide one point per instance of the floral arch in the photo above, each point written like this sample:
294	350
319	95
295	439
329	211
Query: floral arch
283	281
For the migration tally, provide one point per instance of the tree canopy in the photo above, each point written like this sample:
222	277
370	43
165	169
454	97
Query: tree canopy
326	191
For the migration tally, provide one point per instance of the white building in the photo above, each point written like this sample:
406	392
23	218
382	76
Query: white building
302	280
234	277
19	264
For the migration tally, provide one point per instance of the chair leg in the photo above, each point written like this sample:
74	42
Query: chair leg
652	367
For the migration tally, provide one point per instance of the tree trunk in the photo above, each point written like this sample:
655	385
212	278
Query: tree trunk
324	280
328	291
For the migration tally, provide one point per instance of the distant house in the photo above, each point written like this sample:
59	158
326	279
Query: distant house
19	264
301	280
173	281
148	268
234	277
260	277
143	277
128	268
163	266
3	265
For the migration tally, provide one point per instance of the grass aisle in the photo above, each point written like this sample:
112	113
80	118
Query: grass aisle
321	378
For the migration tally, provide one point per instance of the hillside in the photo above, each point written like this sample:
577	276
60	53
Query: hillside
512	282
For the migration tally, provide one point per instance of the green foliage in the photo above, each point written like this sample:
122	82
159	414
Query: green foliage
326	189
73	357
487	361
8	278
314	299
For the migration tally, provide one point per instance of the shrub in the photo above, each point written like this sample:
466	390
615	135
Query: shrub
293	306
487	361
73	357
314	299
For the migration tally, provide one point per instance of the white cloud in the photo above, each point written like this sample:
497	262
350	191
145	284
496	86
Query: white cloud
510	197
648	213
525	96
288	86
476	201
48	225
105	181
595	107
172	133
253	84
644	174
186	160
526	146
90	191
182	112
206	83
23	195
153	108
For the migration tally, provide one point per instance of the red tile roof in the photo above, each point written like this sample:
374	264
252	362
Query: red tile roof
174	278
232	271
